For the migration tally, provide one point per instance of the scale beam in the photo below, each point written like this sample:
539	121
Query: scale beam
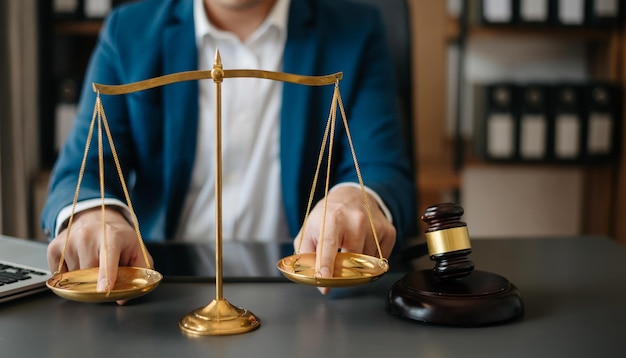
208	74
220	317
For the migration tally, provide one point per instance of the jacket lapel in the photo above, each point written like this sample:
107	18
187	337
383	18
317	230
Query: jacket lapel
299	58
180	102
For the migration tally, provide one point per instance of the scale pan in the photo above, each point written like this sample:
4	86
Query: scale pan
80	285
350	269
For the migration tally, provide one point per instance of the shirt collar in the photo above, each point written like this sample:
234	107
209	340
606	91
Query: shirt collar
203	27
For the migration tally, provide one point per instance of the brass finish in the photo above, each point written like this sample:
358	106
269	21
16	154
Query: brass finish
202	75
80	285
219	318
448	240
133	286
307	272
350	269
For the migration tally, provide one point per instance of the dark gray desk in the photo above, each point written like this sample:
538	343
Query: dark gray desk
574	292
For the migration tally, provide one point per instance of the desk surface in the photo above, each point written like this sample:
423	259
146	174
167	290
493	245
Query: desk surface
573	291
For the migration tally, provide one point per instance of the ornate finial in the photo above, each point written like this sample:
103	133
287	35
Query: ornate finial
218	58
217	73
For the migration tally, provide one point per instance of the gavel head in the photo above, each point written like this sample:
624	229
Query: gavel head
448	241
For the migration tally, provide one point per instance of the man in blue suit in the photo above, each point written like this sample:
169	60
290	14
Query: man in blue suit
272	132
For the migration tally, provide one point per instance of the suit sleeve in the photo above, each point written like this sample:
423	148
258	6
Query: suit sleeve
375	127
64	178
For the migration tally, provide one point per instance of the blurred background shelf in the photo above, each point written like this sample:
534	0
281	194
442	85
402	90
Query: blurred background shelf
450	54
78	27
456	51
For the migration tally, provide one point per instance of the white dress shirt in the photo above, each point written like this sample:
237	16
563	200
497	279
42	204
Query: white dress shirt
252	207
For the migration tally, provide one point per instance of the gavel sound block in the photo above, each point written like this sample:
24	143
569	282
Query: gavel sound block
453	293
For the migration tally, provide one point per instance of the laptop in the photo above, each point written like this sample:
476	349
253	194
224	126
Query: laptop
23	267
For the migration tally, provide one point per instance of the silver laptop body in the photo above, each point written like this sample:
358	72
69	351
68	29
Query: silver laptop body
23	267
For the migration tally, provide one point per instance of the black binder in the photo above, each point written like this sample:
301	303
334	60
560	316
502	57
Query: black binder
66	101
570	12
96	9
604	12
67	9
567	123
602	124
494	12
533	122
500	122
535	12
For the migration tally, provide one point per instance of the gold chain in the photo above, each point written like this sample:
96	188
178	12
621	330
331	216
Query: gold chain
80	179
98	113
105	245
316	176
330	130
358	172
124	188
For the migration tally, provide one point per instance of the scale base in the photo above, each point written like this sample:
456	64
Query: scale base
479	299
219	318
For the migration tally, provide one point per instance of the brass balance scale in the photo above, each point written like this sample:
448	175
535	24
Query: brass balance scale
219	317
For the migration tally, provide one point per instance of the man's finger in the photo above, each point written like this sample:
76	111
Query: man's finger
107	270
54	256
326	251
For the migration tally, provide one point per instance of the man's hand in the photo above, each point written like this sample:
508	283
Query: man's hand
347	229
85	250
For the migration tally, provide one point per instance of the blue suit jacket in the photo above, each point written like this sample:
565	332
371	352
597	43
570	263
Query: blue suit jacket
154	131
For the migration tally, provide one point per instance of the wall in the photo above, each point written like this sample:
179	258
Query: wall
20	136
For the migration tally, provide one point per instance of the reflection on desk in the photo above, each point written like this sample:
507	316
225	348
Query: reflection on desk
241	260
573	290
